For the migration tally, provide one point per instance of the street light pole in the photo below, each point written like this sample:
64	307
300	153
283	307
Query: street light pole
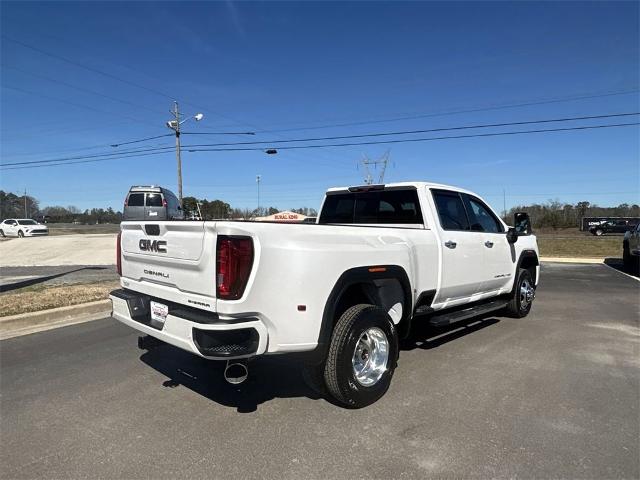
258	178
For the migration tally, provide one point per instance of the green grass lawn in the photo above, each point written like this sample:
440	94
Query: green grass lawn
70	228
563	245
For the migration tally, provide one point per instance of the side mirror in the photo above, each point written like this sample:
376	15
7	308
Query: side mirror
522	223
512	235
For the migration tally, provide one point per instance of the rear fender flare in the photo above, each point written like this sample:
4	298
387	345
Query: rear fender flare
362	275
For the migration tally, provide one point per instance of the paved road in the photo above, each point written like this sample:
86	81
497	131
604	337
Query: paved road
14	278
553	395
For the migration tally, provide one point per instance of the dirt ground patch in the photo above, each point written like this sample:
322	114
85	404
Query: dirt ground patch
43	297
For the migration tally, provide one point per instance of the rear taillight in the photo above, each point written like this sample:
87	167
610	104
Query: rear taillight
234	259
164	202
119	255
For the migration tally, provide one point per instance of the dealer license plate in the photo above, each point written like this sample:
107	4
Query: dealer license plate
159	311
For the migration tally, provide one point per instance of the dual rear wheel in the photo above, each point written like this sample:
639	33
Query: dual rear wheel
361	360
363	352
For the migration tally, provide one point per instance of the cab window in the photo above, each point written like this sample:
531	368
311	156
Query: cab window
481	217
375	207
450	210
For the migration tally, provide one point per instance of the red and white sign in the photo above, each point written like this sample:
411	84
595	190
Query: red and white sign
282	217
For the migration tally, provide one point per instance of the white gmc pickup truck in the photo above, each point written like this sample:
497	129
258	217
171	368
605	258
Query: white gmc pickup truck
344	290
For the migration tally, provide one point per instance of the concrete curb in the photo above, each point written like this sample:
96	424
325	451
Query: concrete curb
571	260
16	325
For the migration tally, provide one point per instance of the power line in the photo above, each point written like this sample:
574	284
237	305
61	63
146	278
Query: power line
67	102
217	133
142	140
410	140
456	112
83	161
430	130
81	89
342	137
106	74
97	155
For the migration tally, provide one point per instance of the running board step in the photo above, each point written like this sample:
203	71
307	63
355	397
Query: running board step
469	312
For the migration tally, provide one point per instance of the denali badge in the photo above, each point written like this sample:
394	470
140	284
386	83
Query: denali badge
157	274
153	246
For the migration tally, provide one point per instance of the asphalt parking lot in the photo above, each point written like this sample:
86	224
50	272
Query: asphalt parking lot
554	395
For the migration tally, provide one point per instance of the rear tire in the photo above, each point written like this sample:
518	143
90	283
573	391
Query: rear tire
598	232
362	356
523	295
21	234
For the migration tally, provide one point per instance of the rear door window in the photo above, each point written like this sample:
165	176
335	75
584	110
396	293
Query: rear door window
135	200
377	207
451	210
154	200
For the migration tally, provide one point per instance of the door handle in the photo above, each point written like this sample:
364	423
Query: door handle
450	244
488	244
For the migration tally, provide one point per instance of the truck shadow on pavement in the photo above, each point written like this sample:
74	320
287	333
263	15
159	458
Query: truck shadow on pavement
275	377
34	281
425	336
269	378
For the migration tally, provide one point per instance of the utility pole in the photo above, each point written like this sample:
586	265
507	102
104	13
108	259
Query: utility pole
258	178
175	126
504	204
176	115
26	214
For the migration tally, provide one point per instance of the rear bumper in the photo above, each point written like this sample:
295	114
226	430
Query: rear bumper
201	333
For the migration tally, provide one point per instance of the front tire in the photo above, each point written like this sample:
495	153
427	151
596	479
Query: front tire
598	232
362	356
524	292
2	233
21	234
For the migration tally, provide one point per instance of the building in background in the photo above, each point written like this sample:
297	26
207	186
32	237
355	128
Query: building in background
286	216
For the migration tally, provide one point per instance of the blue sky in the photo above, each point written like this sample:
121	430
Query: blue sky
287	66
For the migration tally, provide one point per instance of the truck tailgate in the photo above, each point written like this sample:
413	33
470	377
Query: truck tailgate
170	260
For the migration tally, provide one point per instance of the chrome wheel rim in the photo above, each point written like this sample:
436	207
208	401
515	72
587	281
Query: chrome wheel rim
370	357
527	294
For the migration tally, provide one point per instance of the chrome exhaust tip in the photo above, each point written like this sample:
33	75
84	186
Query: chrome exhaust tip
236	371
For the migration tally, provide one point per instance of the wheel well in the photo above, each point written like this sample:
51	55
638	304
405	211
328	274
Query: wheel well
353	295
530	262
386	286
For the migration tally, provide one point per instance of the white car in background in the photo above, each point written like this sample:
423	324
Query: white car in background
22	227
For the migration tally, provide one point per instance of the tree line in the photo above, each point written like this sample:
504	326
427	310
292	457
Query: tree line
13	206
552	214
556	214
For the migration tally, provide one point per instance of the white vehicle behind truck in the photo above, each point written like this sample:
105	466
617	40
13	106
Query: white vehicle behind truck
344	290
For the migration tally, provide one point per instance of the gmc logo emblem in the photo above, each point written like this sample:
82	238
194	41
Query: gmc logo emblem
153	246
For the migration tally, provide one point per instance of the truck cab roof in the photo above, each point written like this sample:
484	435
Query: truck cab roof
364	188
